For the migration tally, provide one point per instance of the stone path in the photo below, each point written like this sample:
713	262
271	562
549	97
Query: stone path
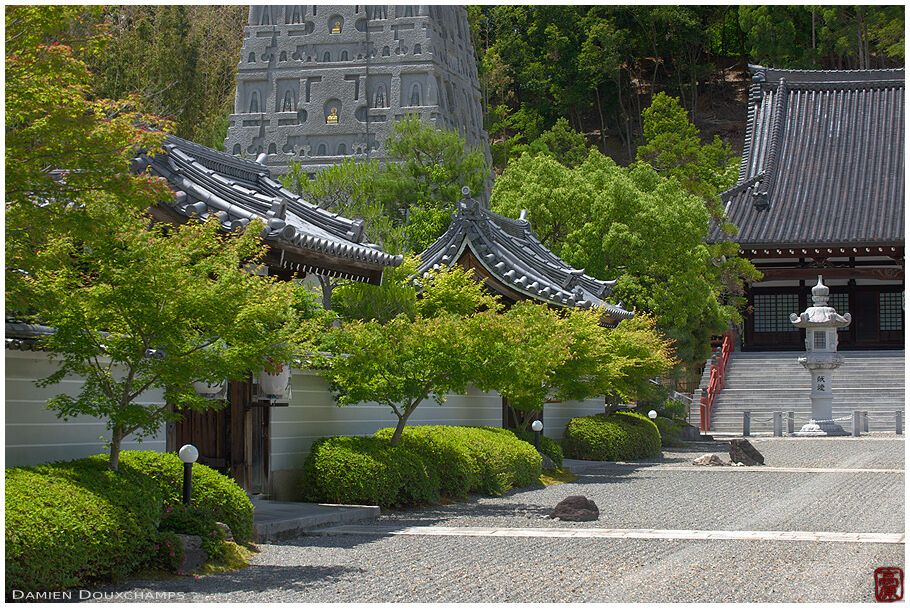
812	526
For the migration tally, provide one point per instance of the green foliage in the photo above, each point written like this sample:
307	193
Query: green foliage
548	446
72	523
630	224
408	201
167	554
617	436
396	296
196	521
673	147
561	141
399	364
670	432
166	306
366	470
217	494
428	463
453	290
181	59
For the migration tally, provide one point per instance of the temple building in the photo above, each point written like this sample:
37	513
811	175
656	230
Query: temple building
513	264
302	237
318	84
821	192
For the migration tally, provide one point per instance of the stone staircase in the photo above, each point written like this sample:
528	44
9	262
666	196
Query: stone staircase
765	382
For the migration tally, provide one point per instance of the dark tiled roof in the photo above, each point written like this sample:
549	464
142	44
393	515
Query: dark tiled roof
511	253
22	336
237	191
823	160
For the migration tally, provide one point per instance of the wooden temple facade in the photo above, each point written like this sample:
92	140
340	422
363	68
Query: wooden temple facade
821	192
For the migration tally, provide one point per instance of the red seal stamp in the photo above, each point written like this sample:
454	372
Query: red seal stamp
889	584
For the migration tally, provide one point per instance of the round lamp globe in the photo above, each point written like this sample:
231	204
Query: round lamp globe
188	453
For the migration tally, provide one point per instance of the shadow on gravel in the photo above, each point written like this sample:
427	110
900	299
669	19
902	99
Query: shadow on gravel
252	579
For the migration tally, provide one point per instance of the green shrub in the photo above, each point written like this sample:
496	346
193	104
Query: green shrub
428	462
167	553
366	470
617	436
197	521
217	493
71	523
548	446
670	432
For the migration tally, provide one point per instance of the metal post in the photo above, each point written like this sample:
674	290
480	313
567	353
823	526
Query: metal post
746	421
778	424
790	422
865	421
900	422
537	440
857	422
187	482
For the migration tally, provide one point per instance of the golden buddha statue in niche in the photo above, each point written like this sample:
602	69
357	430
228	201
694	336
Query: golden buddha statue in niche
337	28
332	118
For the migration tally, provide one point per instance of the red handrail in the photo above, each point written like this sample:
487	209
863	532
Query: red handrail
716	382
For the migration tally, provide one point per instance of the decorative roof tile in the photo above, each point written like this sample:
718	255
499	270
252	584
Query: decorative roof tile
208	183
509	251
823	160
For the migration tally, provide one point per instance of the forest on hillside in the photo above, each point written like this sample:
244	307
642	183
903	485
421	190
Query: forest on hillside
596	66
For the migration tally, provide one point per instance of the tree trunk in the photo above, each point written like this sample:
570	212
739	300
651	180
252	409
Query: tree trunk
402	422
116	438
600	113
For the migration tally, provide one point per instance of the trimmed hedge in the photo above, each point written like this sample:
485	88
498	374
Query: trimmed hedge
548	446
670	432
429	462
617	436
217	493
73	523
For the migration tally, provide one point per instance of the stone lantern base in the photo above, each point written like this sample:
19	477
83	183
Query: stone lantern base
821	428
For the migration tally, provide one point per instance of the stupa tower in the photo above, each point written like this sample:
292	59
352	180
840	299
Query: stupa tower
317	84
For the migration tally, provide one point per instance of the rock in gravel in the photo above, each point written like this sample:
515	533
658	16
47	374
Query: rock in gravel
193	553
546	462
575	508
711	460
743	451
226	529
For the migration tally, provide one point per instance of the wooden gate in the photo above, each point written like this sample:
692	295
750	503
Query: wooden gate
233	439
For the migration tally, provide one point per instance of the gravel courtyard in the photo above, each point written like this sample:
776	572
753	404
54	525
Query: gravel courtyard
837	486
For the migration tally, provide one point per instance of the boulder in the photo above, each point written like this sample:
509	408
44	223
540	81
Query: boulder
743	451
546	462
226	529
711	460
193	553
575	508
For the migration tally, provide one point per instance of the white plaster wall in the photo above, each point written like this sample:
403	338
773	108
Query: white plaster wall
557	415
35	435
312	414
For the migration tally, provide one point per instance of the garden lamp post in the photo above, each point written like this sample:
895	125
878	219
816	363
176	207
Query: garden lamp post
537	426
188	455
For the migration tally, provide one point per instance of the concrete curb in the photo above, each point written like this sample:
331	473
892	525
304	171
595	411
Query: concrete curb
276	521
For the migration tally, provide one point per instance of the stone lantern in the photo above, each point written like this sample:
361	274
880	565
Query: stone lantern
821	323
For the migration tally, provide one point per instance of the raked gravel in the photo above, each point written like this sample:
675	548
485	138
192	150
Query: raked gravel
665	493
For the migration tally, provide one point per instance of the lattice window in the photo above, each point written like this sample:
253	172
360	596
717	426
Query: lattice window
890	312
772	312
841	303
